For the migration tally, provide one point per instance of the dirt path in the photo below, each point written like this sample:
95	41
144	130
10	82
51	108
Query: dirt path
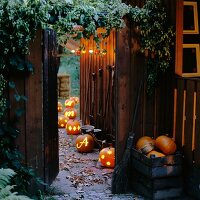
81	175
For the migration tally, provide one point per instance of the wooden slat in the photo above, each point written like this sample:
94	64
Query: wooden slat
175	111
179	36
190	87
197	130
18	79
34	110
50	117
180	113
122	91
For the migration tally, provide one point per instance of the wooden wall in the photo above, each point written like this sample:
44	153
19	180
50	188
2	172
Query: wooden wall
155	116
97	73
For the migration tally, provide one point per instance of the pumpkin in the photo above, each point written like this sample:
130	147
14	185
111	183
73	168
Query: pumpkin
84	143
75	99
156	154
71	113
107	157
165	144
145	144
62	121
60	107
69	103
73	127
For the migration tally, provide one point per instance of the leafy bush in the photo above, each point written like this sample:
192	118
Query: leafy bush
6	192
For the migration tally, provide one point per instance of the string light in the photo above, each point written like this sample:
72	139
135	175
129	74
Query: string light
91	51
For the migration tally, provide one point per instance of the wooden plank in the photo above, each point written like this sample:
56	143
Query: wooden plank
157	183
50	104
34	126
197	130
20	86
157	162
122	90
190	88
179	37
169	193
180	113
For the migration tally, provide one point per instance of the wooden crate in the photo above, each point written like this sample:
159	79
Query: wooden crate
156	178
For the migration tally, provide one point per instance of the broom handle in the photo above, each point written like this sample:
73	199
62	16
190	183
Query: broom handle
136	108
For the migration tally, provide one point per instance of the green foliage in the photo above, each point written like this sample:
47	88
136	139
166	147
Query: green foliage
2	98
156	38
6	192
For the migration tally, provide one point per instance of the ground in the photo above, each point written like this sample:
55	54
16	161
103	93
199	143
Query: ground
81	175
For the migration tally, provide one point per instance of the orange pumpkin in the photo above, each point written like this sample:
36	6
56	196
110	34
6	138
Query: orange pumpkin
85	143
145	144
60	107
69	103
166	144
62	121
155	153
107	157
75	99
73	127
71	113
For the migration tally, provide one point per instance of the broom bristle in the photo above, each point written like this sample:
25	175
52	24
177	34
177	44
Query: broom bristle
120	177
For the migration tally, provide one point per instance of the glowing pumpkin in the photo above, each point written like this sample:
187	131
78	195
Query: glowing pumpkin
75	99
71	113
60	107
156	154
73	127
69	103
166	144
84	143
62	121
145	144
107	157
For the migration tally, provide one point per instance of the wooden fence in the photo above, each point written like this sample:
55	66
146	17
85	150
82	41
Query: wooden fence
38	138
97	73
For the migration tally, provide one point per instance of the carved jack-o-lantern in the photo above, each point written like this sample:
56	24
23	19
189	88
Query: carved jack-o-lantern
62	121
145	144
166	144
60	107
71	113
85	143
107	157
73	127
69	103
76	99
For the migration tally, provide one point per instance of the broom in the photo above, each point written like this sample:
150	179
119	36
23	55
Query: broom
120	177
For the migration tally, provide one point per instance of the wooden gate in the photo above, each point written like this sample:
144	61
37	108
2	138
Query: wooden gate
38	139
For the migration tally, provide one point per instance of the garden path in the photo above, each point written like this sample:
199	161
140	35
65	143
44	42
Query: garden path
81	176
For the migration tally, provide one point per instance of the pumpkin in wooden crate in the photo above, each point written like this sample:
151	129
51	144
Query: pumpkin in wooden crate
71	113
69	103
60	107
165	144
62	121
107	157
73	127
85	143
155	154
145	144
75	99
